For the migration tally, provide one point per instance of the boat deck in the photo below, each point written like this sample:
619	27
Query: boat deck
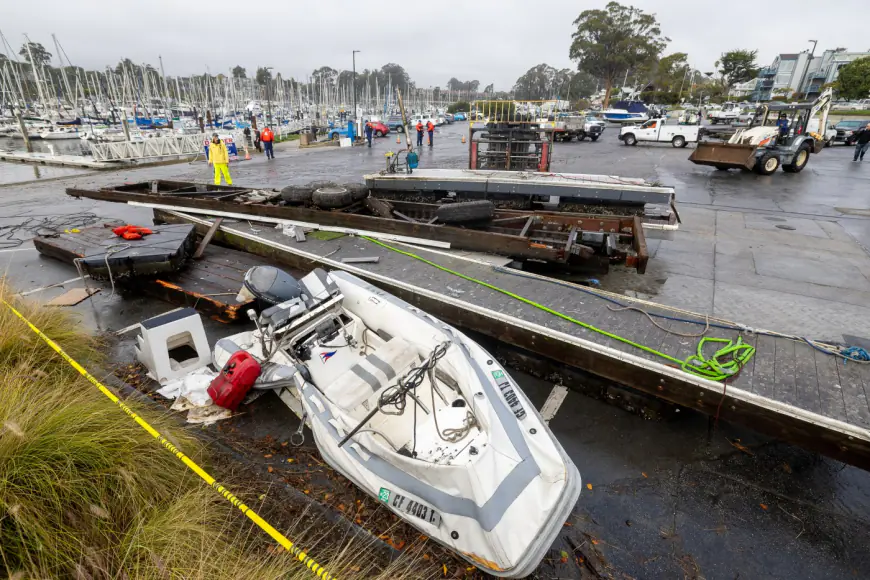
209	285
787	390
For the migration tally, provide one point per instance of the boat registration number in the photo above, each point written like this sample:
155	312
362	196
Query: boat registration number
510	397
410	507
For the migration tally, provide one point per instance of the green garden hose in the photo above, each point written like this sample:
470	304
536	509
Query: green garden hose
723	364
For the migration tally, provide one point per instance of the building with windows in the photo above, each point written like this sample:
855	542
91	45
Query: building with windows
801	73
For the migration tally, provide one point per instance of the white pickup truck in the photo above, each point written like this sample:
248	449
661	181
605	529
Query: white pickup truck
728	113
657	131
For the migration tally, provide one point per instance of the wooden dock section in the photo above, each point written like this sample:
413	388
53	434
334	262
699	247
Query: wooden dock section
209	285
788	390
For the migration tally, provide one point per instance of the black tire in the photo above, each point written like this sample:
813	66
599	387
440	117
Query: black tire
567	138
593	137
629	139
358	191
581	137
470	211
678	141
722	168
767	164
801	158
331	197
297	194
336	136
400	129
379	133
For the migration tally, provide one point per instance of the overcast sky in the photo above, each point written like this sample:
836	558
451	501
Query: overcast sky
493	41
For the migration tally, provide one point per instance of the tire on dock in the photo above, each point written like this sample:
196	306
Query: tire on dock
332	197
358	191
297	194
469	211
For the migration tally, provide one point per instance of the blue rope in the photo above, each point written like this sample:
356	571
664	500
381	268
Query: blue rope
855	353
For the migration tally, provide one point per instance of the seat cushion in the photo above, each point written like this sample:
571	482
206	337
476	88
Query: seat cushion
372	373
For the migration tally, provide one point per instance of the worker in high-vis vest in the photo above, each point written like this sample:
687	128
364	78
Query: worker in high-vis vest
430	128
220	158
268	139
419	133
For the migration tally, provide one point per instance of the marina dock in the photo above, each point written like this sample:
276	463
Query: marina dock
787	390
79	161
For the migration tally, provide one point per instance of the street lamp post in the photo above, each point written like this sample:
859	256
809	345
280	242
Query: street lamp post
807	68
353	89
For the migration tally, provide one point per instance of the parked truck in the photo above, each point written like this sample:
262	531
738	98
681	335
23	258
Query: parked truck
657	131
568	127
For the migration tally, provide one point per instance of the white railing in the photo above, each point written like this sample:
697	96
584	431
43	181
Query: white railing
156	148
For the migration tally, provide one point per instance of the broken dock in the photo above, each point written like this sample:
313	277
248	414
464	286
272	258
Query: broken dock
789	389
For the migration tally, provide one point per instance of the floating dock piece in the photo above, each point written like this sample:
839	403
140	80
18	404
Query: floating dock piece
210	285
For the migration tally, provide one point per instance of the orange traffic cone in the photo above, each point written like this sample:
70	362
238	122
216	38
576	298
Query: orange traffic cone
463	138
397	139
248	155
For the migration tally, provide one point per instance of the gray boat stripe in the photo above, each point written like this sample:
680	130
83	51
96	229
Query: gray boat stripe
382	365
368	377
489	514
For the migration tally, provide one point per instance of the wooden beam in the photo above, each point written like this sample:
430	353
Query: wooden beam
207	238
526	227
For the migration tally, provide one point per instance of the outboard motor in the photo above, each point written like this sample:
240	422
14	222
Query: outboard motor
282	297
269	286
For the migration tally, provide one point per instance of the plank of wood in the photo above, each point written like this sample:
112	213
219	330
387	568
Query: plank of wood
806	380
526	227
72	297
207	238
763	383
853	380
404	217
783	371
830	390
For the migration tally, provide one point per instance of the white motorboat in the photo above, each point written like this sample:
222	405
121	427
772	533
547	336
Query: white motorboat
413	412
626	112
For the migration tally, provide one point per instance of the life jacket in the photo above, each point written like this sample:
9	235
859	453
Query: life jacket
267	135
420	127
430	127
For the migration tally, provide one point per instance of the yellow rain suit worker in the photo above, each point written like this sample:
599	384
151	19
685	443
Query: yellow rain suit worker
220	158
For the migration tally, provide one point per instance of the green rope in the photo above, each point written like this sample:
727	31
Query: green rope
723	364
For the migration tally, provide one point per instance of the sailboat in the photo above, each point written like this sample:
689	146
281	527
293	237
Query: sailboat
414	412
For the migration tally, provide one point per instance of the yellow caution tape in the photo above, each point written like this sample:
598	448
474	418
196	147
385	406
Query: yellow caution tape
307	560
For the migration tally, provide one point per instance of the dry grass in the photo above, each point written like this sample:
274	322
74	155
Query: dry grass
85	493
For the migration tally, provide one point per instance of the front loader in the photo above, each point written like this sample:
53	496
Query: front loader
763	147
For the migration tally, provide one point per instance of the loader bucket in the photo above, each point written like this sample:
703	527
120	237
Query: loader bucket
724	155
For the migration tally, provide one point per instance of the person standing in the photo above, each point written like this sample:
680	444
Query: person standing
247	133
430	128
220	158
419	133
257	140
862	143
369	132
268	139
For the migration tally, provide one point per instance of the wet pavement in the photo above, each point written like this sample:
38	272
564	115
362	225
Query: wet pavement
678	498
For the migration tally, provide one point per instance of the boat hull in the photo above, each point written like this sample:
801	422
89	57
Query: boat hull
501	510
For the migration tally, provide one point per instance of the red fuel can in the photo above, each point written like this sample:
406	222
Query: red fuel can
234	381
